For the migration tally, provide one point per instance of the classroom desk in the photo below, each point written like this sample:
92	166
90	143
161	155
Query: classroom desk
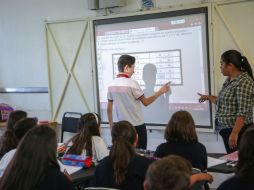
2	124
220	168
221	172
86	174
2	128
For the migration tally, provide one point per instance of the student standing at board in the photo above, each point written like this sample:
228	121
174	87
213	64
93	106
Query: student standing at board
234	104
126	95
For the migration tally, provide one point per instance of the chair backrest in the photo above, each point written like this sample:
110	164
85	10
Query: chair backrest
70	123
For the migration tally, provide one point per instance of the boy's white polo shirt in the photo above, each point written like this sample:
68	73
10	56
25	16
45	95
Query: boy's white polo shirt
125	93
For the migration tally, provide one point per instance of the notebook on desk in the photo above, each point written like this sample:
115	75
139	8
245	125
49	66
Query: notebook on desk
230	157
214	161
220	166
69	169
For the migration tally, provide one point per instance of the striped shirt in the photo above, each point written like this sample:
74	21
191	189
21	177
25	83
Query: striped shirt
236	98
125	93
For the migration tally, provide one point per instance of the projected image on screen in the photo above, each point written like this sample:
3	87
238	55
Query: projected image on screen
167	63
167	49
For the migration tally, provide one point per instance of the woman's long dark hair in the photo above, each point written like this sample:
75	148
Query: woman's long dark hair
123	151
181	128
89	125
245	166
239	61
8	140
35	154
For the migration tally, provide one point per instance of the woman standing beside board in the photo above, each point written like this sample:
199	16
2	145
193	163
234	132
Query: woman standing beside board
234	104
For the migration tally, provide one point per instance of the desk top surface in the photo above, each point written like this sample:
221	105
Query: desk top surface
220	168
83	174
88	173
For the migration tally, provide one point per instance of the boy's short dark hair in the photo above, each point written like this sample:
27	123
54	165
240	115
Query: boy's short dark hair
125	60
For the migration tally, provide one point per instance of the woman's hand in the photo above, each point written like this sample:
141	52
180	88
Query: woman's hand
233	138
204	98
232	141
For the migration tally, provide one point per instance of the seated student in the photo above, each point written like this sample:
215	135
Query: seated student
172	172
20	129
244	176
182	140
88	140
123	168
34	165
8	141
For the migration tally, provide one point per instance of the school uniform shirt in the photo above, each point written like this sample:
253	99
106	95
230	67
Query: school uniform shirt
194	152
55	180
125	93
237	183
6	160
99	149
135	176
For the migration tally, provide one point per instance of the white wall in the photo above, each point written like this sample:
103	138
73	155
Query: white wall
22	37
23	61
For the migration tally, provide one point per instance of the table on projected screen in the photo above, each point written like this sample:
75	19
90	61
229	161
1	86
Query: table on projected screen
167	63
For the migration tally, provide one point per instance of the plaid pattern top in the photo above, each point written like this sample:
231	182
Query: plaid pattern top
236	98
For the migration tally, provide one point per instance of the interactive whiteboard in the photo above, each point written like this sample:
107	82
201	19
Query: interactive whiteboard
168	46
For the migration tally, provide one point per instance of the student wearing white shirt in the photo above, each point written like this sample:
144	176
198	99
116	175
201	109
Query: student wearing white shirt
88	140
20	129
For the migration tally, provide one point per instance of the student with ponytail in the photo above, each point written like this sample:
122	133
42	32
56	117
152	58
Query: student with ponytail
88	140
123	168
235	101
